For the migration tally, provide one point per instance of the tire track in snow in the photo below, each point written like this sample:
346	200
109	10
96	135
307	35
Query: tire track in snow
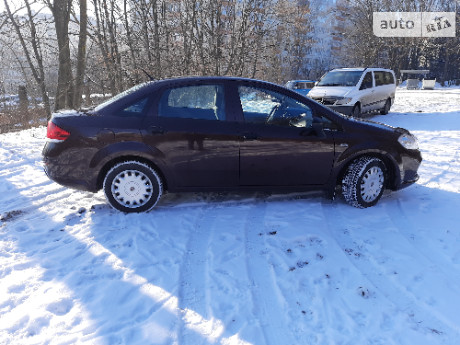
268	304
370	253
195	325
407	230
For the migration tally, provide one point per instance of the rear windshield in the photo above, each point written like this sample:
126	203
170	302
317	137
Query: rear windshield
341	78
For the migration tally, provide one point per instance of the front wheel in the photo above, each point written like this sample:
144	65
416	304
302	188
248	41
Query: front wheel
356	111
386	108
132	187
364	182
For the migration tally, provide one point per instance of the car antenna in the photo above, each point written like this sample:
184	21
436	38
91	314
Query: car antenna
148	75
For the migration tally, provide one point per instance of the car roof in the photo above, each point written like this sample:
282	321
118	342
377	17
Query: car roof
302	81
361	69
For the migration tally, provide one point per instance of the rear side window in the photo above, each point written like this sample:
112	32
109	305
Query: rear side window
136	109
204	102
383	78
379	78
389	78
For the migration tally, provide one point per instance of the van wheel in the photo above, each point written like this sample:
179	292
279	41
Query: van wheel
132	187
356	112
364	182
386	108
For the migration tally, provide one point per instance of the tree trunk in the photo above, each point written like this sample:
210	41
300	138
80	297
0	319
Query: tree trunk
81	57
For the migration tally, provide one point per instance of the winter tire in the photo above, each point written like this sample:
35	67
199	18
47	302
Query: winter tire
364	182
132	187
356	111
386	108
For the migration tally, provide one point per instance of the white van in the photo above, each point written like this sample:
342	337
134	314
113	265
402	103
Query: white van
354	91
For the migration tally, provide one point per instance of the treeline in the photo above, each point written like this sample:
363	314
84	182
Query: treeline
63	51
439	55
106	46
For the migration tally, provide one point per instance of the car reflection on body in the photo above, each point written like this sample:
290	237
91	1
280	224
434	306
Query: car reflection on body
223	133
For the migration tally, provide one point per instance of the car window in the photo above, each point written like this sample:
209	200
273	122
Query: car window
204	102
135	109
379	78
273	108
340	78
367	81
388	77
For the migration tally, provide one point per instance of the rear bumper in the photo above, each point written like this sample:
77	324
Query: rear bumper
66	175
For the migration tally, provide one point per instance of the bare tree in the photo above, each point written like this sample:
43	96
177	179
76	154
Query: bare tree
35	59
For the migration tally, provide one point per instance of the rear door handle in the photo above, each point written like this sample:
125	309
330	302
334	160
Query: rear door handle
156	130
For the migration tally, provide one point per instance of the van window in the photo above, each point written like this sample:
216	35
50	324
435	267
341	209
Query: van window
388	77
367	81
379	78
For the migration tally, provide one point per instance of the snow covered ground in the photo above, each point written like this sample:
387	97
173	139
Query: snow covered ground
236	268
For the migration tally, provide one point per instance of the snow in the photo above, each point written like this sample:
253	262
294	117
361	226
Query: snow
236	268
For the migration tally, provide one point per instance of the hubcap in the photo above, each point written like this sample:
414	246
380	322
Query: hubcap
132	188
372	184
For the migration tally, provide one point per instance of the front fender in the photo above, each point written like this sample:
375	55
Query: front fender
392	161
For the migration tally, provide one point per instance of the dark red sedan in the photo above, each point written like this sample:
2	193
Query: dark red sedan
223	133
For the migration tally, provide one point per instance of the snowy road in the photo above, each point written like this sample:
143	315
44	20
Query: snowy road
245	268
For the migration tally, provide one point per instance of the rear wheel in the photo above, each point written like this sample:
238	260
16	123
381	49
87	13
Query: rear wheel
132	187
364	182
386	108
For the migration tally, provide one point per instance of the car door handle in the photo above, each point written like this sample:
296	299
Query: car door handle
250	136
156	130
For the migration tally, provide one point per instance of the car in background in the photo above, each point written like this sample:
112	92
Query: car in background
301	86
355	91
223	133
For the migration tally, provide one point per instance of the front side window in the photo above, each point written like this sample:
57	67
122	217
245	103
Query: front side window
204	102
273	108
367	81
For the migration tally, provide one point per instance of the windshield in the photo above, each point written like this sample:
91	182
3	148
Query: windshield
341	78
121	95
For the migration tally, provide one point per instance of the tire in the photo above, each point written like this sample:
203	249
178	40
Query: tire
132	187
356	111
364	182
386	108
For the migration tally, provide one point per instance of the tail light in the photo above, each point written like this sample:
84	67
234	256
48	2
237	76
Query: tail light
55	133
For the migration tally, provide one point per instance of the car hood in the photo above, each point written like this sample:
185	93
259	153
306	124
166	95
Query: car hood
377	125
330	91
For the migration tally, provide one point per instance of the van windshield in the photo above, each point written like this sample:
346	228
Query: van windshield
341	78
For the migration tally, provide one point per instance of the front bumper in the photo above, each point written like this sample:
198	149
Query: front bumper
408	170
343	109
